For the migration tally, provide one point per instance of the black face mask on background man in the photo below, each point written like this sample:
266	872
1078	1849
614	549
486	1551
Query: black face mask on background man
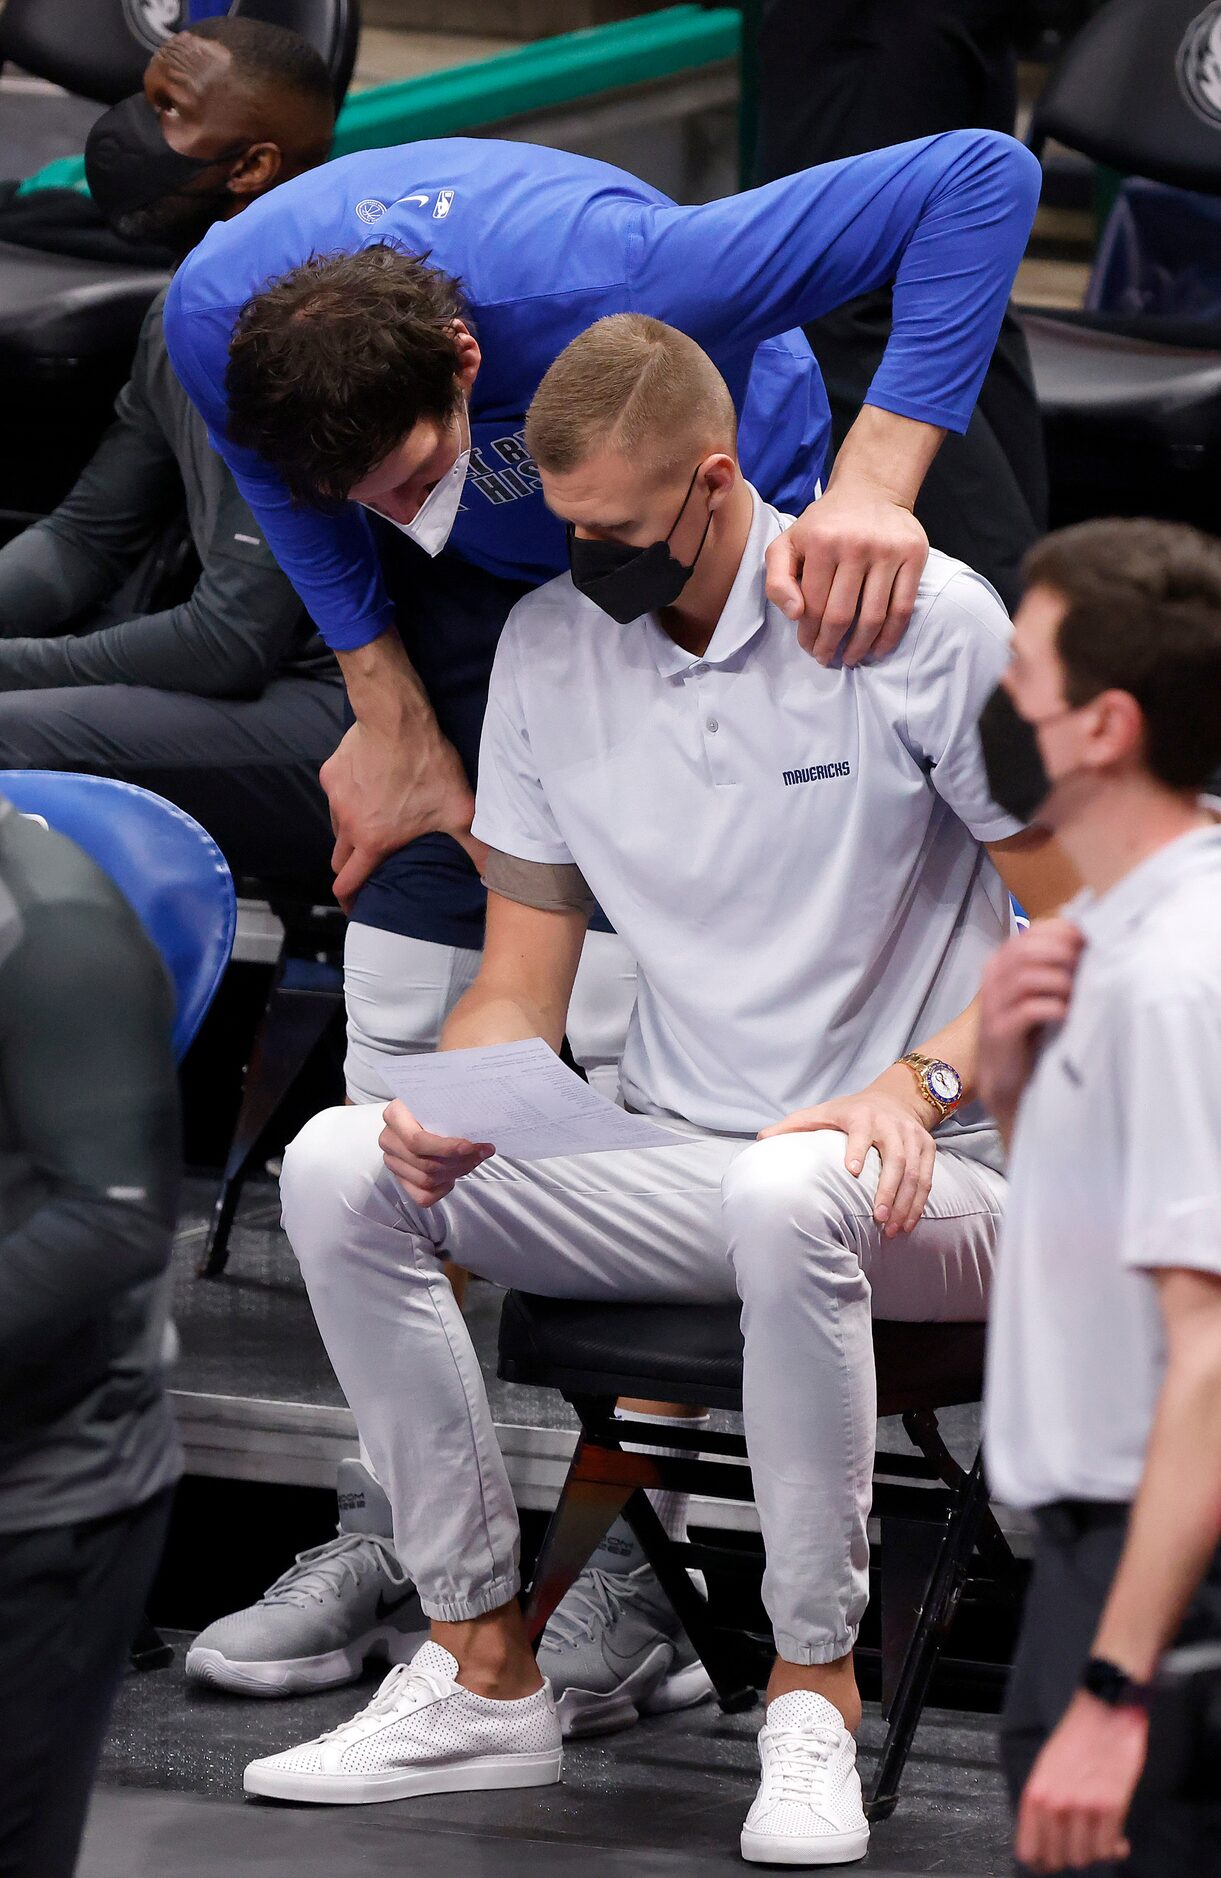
139	183
626	582
1018	781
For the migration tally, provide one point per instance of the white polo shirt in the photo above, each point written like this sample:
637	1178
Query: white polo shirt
791	852
1115	1173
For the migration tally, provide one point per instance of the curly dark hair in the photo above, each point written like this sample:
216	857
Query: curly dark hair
335	363
1143	615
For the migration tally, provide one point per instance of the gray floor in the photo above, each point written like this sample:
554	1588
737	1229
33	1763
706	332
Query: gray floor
666	1797
132	1834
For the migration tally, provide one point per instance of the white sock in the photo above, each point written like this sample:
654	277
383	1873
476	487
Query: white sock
669	1505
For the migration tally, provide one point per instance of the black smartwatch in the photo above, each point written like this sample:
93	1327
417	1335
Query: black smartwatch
1113	1685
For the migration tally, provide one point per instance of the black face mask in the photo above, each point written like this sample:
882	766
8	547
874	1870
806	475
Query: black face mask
1017	775
139	183
626	582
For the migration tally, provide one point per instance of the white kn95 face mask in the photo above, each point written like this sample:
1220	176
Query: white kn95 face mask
433	522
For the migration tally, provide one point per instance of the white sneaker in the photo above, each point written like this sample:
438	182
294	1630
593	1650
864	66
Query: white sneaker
422	1733
808	1810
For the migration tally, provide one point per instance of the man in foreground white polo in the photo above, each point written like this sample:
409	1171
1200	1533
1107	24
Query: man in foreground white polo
1101	1057
795	854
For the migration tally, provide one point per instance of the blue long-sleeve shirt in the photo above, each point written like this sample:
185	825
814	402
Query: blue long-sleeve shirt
544	243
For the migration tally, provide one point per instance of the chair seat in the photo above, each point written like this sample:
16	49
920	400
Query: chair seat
693	1353
58	309
166	866
68	329
1086	371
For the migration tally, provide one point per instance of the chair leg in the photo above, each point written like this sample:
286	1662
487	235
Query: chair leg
588	1507
602	1482
910	1550
150	1650
949	1547
293	1022
995	1552
728	1659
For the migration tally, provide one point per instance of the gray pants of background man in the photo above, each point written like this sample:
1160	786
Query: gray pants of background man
780	1223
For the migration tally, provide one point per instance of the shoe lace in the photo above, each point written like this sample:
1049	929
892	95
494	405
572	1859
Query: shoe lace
798	1762
405	1688
326	1569
593	1603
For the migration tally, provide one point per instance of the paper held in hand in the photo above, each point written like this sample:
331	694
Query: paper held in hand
521	1098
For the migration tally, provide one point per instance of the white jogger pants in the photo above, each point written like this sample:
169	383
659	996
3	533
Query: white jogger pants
780	1224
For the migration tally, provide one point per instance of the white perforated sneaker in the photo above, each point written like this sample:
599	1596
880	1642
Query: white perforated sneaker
808	1810
422	1733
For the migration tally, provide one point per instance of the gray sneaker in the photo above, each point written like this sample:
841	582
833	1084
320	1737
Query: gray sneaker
335	1606
614	1650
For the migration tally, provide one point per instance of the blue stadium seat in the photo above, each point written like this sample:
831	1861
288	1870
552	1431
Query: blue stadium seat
167	867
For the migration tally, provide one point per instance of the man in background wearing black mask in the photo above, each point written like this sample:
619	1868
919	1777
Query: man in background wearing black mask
218	694
228	109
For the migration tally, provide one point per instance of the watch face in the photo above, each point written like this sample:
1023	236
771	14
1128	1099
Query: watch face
945	1083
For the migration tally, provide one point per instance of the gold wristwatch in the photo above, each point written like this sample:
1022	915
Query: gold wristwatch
940	1083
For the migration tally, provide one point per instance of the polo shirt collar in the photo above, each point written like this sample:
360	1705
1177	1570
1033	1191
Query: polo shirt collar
745	611
1104	918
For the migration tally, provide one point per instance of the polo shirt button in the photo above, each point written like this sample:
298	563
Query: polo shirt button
712	724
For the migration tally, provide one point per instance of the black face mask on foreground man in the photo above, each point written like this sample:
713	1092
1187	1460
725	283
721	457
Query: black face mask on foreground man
1018	781
140	184
625	581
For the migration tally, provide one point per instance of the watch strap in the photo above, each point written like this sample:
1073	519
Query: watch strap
1113	1685
920	1067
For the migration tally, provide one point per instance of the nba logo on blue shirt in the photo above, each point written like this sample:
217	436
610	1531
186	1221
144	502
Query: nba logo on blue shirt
444	200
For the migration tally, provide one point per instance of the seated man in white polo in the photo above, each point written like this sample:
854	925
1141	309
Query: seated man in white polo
796	856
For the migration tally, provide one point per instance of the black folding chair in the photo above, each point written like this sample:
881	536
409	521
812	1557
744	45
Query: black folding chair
1131	404
305	1000
936	1525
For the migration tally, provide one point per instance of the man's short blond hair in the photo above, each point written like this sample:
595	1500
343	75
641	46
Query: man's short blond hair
631	384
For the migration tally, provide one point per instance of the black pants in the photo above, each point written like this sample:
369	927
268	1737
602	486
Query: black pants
842	76
984	500
71	1598
450	616
1075	1559
247	769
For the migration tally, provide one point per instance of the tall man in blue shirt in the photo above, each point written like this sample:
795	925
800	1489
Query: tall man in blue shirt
365	348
